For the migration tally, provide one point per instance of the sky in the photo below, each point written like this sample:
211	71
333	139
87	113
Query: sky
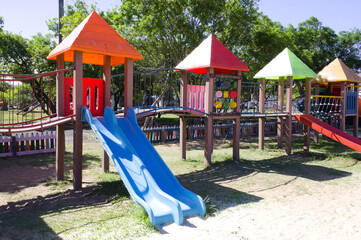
27	17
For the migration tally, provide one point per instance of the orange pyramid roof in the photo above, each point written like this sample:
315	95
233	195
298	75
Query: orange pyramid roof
95	38
212	53
337	71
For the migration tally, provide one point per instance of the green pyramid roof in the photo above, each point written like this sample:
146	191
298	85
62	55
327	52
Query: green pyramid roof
286	64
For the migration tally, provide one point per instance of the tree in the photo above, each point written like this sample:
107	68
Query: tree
1	23
73	16
267	39
164	32
23	56
348	48
314	43
14	55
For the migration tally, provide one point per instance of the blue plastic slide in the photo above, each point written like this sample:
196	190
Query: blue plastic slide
144	173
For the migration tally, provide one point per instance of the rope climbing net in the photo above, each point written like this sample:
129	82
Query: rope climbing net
325	107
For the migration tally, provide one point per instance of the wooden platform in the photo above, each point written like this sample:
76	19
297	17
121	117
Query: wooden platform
142	113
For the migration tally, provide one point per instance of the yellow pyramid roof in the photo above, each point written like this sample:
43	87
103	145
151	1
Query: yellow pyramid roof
337	71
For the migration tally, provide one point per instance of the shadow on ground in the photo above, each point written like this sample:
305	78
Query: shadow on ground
208	182
17	173
24	219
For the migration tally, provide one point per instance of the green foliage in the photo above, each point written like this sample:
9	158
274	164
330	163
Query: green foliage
19	55
313	43
1	23
73	16
267	39
211	209
14	54
348	48
39	47
164	32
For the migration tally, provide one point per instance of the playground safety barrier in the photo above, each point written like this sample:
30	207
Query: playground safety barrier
27	100
171	133
19	145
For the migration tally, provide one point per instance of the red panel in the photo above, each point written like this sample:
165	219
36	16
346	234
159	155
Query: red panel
195	94
96	95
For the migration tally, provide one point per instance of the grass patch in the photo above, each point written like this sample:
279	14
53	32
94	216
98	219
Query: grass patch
168	119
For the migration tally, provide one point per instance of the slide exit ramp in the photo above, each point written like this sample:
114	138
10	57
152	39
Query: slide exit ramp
147	178
331	132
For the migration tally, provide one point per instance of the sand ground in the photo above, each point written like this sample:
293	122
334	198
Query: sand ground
324	211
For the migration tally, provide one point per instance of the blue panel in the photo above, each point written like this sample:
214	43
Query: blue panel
351	102
144	173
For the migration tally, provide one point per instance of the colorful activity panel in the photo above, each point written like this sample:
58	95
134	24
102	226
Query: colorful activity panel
225	96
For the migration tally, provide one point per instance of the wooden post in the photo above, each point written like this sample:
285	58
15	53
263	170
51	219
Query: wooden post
281	90
183	120
107	84
208	134
128	84
306	130
261	120
288	125
237	120
60	111
78	131
317	92
343	107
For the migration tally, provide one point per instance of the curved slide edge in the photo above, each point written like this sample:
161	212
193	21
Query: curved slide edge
87	116
191	203
161	206
331	132
156	194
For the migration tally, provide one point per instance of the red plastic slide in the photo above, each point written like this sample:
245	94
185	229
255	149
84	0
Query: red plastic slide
331	132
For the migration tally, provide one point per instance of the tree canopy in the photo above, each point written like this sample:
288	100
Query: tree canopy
166	31
1	23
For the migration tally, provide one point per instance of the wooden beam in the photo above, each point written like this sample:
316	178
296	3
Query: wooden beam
128	84
78	131
317	92
281	90
208	134
60	111
183	120
261	120
288	124
107	83
306	129
237	121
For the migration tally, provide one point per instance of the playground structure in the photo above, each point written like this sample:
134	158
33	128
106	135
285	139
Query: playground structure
341	100
206	85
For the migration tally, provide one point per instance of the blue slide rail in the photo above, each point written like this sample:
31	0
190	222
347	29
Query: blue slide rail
147	178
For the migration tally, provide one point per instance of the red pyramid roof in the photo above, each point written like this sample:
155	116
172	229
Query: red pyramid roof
95	38
212	53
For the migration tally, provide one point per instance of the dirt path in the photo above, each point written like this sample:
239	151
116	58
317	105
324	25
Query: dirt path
325	216
299	209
